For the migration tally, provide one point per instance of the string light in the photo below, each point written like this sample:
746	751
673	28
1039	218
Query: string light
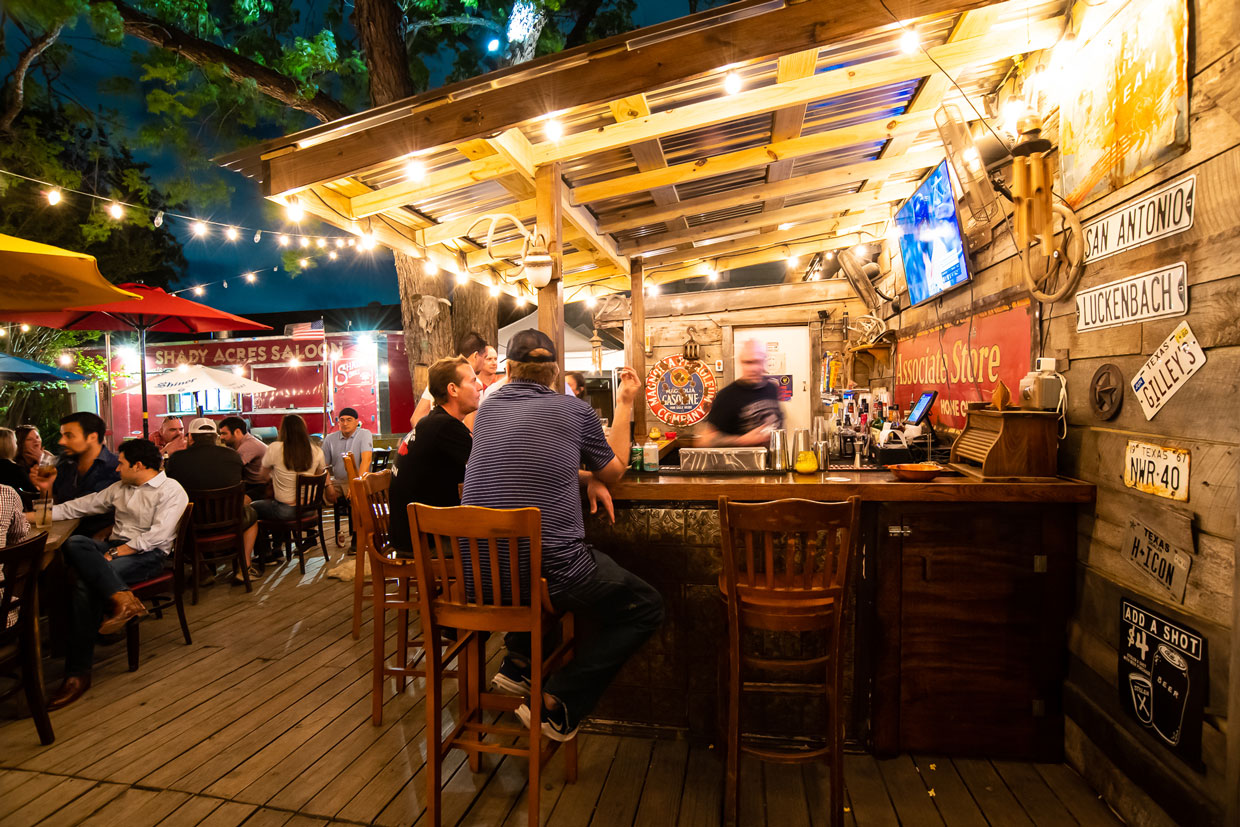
910	43
494	290
340	244
231	233
712	275
461	277
368	241
429	268
238	370
53	196
199	229
284	241
303	263
351	242
198	291
25	328
294	211
731	83
294	362
305	242
251	278
116	210
415	171
332	255
590	300
4	331
66	359
320	243
553	129
258	236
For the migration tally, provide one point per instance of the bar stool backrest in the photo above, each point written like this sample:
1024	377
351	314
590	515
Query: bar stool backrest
218	511
371	491
471	560
20	564
793	551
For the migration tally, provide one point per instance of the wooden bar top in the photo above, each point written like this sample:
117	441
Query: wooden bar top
870	486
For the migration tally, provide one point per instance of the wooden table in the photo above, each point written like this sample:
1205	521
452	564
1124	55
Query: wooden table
57	533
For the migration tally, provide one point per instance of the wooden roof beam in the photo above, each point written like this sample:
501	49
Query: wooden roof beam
581	220
758	193
460	227
660	274
432	185
786	124
764	220
594	73
952	57
648	155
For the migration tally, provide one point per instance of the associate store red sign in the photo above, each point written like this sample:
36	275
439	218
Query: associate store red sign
963	361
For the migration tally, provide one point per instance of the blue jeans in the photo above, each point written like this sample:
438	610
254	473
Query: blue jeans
97	580
621	611
274	510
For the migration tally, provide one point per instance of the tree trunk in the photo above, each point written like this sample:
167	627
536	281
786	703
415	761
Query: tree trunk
475	310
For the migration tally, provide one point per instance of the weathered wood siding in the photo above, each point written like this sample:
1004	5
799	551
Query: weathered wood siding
1144	781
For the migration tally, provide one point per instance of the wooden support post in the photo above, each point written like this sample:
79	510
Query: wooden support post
1232	777
637	346
548	214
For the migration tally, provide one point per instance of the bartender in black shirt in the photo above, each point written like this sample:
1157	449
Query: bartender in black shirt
746	411
430	462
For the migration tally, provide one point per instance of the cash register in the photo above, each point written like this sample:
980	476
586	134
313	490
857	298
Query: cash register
913	441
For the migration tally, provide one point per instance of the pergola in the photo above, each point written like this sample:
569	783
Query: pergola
759	131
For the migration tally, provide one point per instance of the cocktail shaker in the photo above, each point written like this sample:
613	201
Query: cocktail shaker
801	441
777	453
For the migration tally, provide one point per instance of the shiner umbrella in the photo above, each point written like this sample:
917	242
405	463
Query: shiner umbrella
36	276
17	369
158	311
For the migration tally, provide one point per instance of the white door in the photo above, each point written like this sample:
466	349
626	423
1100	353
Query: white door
787	362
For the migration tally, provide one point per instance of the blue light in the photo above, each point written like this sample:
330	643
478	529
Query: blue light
493	45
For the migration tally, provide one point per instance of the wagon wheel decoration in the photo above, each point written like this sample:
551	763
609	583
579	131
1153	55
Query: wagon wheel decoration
1106	392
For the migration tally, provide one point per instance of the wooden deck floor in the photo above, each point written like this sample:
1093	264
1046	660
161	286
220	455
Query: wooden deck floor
265	721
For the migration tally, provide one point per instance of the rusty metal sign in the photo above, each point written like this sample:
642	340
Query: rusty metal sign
1157	557
1157	470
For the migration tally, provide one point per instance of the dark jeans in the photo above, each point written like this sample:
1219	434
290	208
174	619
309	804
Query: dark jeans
620	611
97	580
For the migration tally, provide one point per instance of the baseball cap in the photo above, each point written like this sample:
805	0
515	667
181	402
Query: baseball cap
523	343
202	425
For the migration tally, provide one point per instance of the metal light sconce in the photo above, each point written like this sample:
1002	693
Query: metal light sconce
535	259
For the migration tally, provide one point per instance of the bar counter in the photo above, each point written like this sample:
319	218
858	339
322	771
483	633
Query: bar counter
955	636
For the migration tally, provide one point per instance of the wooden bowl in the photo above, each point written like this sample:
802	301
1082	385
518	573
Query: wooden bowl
916	471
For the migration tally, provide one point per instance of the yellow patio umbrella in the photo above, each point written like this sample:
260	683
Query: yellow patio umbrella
37	276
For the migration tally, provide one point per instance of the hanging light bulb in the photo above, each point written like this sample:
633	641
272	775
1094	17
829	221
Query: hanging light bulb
303	262
494	290
294	211
792	261
320	243
199	290
339	243
352	242
368	241
294	362
429	268
521	300
652	289
462	277
553	129
731	83
231	233
712	275
590	300
25	328
415	171
199	229
4	331
238	370
304	242
251	278
910	43
158	220
53	196
284	240
258	236
331	254
116	210
66	359
225	283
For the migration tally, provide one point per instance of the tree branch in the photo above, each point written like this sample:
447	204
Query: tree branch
271	83
17	81
457	20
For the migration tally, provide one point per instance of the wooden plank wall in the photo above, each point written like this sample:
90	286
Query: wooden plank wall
1145	782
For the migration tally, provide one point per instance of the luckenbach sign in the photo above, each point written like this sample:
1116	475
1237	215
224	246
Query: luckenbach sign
1157	294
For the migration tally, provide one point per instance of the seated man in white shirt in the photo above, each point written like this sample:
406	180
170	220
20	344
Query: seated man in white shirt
148	507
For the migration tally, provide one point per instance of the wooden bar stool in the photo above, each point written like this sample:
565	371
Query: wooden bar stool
784	569
468	568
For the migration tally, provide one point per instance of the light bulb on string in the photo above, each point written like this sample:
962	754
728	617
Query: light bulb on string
553	129
284	241
494	290
66	359
116	210
25	328
53	196
331	254
199	290
429	268
590	300
910	43
305	242
258	236
231	233
303	263
415	171
251	278
158	220
4	331
351	242
294	211
368	241
712	275
462	277
339	243
320	243
199	229
732	83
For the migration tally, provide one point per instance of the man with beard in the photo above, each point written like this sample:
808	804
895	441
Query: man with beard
85	466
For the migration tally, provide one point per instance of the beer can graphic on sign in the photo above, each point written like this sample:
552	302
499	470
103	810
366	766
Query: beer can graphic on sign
1169	676
1142	696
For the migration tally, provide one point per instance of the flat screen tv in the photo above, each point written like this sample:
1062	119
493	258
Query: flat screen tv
931	244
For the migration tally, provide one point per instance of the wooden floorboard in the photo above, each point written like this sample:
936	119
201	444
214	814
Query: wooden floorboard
265	720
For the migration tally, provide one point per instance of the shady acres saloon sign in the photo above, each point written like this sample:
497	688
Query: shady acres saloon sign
680	391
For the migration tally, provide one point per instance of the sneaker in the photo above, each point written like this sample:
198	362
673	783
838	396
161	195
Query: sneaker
512	678
554	722
238	580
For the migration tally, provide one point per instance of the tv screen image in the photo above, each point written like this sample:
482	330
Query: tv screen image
931	244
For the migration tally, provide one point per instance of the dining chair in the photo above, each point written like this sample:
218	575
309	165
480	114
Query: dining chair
19	636
165	590
307	523
217	532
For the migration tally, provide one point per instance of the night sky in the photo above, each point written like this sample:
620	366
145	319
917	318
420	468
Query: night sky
355	280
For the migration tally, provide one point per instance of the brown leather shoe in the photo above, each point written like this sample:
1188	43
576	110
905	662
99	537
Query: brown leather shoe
74	687
125	607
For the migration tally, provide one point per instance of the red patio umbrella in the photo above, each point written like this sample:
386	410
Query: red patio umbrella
158	310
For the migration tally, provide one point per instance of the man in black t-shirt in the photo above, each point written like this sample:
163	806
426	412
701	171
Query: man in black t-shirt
430	462
746	411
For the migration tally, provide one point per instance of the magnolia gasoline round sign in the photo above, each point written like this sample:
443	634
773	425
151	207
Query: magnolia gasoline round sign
680	391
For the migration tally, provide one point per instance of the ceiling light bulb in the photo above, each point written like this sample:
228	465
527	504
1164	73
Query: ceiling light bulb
368	241
861	250
294	211
652	289
351	242
284	241
294	362
830	255
462	277
731	83
590	300
521	300
53	197
553	129
116	210
494	290
429	268
910	43
712	276
231	233
251	278
792	261
199	228
239	371
415	170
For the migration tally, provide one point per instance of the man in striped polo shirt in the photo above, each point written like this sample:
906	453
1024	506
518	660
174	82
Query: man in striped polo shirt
530	447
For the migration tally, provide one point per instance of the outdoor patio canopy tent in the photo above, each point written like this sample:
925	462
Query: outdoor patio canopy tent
666	168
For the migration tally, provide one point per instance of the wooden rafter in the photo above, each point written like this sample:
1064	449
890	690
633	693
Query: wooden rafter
648	155
594	73
786	124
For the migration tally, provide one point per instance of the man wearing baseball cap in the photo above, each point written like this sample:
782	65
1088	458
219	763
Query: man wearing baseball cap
205	465
352	438
530	446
